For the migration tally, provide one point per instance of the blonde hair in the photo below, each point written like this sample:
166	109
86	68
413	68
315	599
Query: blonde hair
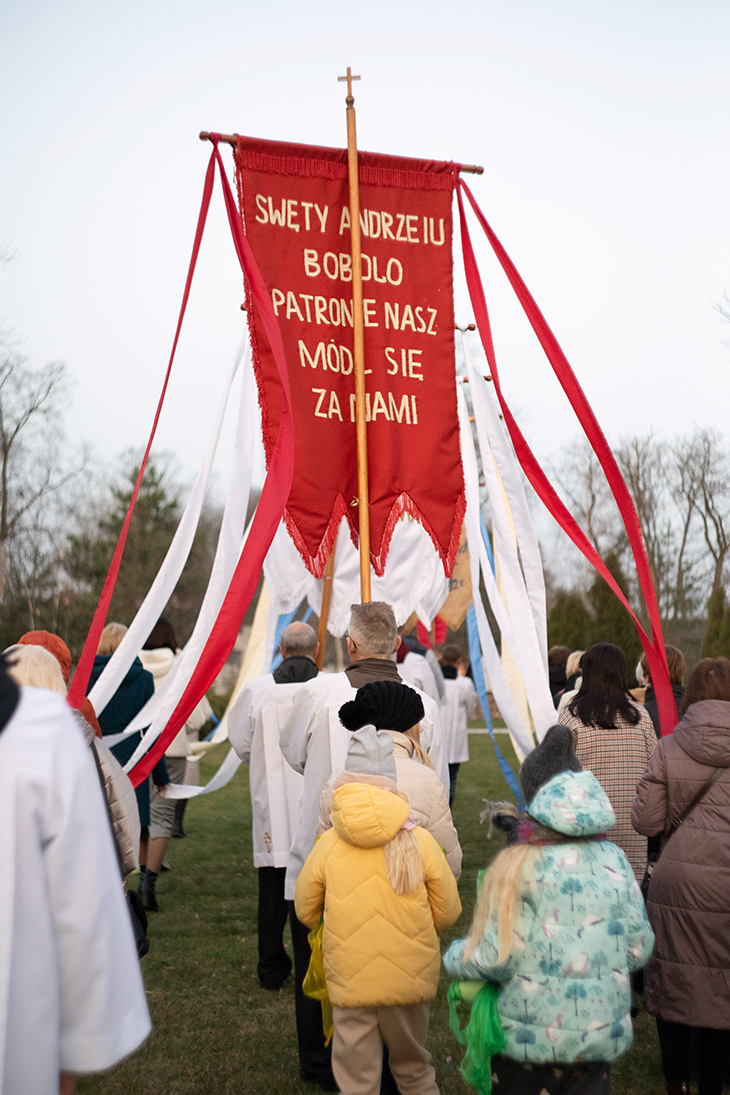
573	663
111	637
35	667
413	733
404	862
500	899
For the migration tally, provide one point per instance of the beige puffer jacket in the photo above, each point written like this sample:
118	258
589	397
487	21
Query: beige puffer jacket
427	794
123	805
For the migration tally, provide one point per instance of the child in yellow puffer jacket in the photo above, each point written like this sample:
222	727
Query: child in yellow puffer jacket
386	889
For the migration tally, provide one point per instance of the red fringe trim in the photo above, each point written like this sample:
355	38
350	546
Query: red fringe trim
405	504
433	175
316	564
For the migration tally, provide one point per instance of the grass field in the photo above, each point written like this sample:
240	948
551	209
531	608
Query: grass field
215	1031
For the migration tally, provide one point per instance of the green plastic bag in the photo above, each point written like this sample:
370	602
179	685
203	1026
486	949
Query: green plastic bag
314	983
483	1035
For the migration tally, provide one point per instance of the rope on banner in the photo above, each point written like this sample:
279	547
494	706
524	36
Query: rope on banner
654	647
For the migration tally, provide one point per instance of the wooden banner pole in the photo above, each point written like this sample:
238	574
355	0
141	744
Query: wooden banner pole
329	574
363	493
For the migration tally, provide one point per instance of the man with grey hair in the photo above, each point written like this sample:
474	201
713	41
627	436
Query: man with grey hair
254	724
314	742
298	649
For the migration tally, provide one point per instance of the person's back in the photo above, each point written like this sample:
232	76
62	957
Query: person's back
380	947
397	709
312	739
458	706
577	928
614	738
385	889
69	973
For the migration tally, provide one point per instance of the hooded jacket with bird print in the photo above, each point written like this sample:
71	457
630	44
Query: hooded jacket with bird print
565	994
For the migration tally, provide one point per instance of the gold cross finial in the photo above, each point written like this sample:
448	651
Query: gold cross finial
350	98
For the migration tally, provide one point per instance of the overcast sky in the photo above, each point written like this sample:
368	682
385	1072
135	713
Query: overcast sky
602	128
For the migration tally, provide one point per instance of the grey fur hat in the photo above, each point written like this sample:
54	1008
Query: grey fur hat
554	754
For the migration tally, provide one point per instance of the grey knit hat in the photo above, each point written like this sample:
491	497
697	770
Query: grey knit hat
370	753
553	755
386	704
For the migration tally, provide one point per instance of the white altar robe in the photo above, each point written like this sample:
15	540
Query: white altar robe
458	707
71	994
254	726
415	670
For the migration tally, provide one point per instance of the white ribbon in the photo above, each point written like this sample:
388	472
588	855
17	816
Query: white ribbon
230	544
172	566
513	527
478	561
254	660
224	775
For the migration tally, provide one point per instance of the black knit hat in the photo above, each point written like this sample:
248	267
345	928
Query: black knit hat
553	755
386	704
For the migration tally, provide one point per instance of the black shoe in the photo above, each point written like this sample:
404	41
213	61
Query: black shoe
147	892
180	806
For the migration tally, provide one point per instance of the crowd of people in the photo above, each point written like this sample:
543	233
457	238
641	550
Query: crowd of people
614	883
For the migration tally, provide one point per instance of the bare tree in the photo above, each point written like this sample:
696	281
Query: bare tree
32	465
583	485
645	466
682	497
705	489
722	307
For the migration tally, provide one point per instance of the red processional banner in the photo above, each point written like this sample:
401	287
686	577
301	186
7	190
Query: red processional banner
294	200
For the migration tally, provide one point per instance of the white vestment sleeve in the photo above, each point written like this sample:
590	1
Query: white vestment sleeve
240	728
294	739
103	1007
432	738
71	993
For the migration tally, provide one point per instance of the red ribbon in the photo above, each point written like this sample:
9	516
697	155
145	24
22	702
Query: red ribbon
268	512
77	691
655	652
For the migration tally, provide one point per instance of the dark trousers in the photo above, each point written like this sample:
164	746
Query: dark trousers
713	1047
315	1059
453	773
274	963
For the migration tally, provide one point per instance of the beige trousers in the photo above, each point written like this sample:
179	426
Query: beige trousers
357	1049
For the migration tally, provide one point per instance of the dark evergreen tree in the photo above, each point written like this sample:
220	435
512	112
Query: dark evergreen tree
712	644
155	519
724	640
569	621
611	622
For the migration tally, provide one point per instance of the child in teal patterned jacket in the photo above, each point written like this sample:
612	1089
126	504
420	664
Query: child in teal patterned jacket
560	924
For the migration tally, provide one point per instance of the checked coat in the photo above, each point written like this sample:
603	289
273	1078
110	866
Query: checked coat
618	758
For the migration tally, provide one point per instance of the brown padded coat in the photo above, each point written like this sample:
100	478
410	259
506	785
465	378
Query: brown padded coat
688	978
